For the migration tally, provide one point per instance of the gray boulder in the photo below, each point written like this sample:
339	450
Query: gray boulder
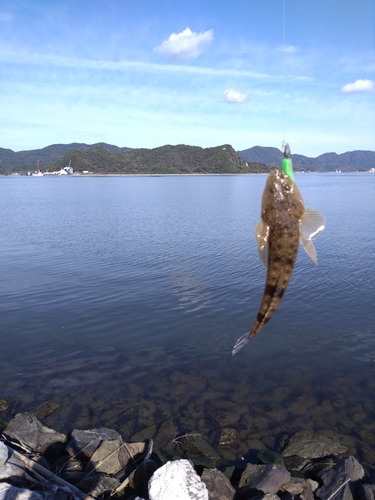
267	478
366	492
218	485
104	450
84	443
9	492
309	445
28	430
336	479
98	485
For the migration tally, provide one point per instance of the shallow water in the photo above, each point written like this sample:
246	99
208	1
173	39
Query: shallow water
122	298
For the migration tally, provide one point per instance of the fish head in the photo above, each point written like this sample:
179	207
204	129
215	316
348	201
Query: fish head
281	199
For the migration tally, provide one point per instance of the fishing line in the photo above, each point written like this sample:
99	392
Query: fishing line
283	74
286	164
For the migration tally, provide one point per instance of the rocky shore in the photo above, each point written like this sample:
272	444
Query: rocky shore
37	463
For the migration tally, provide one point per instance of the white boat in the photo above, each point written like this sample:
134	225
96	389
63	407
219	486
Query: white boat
66	170
37	172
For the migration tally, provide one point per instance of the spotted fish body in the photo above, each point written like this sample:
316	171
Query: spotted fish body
284	224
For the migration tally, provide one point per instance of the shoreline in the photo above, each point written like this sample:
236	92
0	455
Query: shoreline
100	463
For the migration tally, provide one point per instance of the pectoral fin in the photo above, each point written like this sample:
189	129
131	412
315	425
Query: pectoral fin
312	223
261	235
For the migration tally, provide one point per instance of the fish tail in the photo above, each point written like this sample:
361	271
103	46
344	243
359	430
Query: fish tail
241	342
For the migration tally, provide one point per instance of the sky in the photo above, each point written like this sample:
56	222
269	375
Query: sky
145	73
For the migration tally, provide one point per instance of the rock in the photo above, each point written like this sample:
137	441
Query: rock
178	476
146	413
98	485
225	417
27	429
228	471
165	435
270	496
9	492
218	485
295	486
228	437
270	457
84	443
142	475
147	433
197	449
336	478
295	463
308	489
3	424
46	409
366	492
14	474
308	445
267	478
4	404
110	457
3	453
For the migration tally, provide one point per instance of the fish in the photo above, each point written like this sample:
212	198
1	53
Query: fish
284	224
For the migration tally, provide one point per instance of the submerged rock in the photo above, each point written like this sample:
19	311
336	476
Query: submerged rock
4	404
199	451
228	437
178	476
46	409
309	445
270	457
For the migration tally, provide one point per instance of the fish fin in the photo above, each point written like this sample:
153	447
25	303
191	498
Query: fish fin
261	236
311	225
241	342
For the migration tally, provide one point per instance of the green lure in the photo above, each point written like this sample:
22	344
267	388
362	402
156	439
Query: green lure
287	164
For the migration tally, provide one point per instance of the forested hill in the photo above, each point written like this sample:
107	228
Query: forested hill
327	162
107	158
179	159
10	161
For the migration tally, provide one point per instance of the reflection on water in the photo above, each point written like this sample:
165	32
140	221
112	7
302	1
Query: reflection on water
126	293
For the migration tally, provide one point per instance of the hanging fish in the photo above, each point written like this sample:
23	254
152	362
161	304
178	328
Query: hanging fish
285	222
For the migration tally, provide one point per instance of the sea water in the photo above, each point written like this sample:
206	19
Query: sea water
123	291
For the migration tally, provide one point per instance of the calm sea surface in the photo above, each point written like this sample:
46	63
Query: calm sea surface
121	298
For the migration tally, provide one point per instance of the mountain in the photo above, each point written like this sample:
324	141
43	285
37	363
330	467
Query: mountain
269	156
327	162
27	160
180	159
107	158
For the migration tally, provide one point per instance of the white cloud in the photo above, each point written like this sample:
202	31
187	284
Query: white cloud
234	96
358	86
185	45
288	49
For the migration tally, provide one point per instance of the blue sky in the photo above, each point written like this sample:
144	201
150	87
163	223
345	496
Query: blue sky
145	73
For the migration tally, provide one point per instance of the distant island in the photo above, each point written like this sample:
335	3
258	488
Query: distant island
102	158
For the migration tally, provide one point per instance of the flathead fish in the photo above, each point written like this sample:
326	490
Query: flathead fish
285	223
